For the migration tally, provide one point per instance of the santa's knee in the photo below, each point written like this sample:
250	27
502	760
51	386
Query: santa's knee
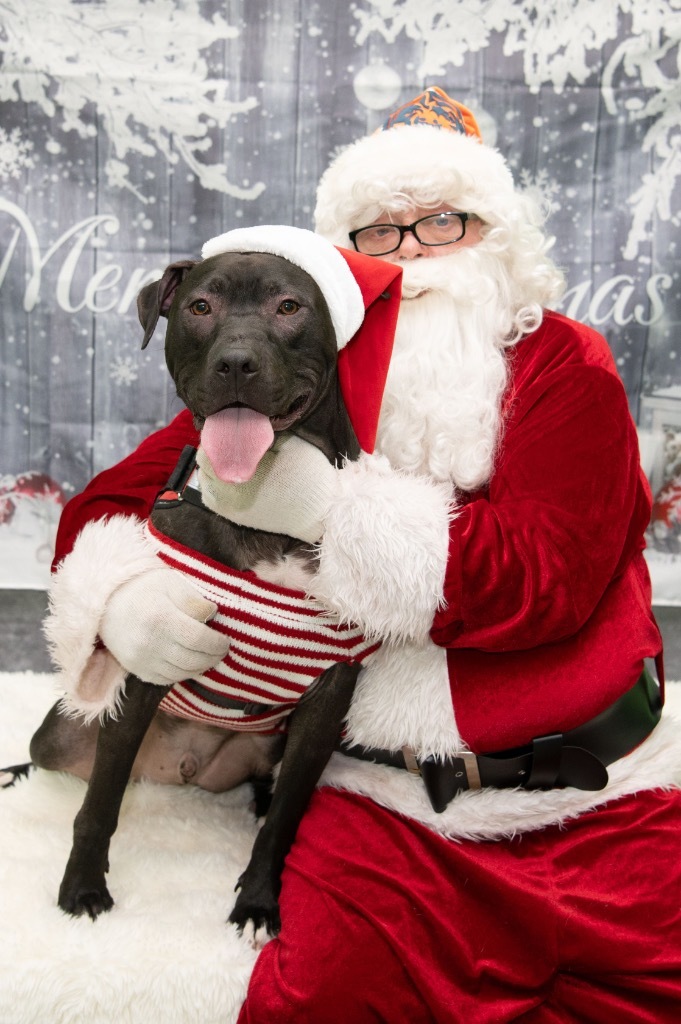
358	985
330	1002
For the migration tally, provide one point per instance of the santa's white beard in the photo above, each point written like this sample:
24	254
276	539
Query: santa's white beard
441	410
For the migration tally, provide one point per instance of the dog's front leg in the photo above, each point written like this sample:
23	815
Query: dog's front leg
314	730
83	889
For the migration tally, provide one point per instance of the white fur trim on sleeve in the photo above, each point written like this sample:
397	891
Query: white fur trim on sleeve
383	557
106	554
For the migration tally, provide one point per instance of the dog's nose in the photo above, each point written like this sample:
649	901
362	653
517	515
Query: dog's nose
238	364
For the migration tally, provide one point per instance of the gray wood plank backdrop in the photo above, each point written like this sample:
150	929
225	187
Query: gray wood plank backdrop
130	132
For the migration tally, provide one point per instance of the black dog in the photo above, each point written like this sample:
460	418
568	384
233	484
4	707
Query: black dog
243	330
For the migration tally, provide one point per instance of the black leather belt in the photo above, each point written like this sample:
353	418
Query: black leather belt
575	758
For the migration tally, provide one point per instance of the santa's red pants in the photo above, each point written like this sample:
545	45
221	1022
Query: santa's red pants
383	921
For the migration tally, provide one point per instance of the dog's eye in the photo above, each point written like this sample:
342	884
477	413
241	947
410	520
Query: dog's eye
200	307
288	307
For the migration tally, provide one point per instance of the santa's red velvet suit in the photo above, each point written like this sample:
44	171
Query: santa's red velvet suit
513	611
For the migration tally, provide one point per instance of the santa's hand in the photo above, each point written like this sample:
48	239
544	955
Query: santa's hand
155	627
290	492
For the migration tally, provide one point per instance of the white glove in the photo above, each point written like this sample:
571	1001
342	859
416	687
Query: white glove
154	625
290	491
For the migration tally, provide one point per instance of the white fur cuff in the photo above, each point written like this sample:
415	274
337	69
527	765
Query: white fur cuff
383	558
106	554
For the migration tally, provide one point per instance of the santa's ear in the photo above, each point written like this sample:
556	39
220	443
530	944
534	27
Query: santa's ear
155	299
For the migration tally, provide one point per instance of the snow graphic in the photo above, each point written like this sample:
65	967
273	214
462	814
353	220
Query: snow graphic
140	64
544	190
13	154
124	371
562	42
648	57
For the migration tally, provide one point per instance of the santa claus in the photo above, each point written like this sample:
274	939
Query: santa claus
487	845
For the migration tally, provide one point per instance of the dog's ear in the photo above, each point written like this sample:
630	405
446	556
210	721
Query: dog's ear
156	298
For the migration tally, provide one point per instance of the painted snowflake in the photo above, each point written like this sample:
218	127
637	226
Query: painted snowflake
123	371
14	154
544	190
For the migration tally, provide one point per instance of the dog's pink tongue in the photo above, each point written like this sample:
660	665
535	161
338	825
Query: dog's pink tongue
235	440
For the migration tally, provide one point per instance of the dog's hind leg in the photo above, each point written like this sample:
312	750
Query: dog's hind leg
64	744
59	744
313	733
83	889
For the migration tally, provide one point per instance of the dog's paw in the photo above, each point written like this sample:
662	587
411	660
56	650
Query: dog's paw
80	900
257	938
257	922
9	775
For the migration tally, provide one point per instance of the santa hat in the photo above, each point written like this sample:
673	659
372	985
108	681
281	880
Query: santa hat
430	147
363	297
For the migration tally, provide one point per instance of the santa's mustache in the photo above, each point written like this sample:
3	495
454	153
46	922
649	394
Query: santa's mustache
470	275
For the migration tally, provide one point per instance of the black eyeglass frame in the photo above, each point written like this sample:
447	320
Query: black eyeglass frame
411	228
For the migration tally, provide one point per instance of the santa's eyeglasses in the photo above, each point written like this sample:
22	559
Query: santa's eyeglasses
436	229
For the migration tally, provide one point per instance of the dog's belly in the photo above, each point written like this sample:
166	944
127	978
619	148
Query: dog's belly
180	751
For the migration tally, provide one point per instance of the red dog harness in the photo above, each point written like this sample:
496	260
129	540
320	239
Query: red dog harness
280	643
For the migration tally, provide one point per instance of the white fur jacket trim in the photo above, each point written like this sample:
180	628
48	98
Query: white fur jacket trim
383	557
107	553
489	814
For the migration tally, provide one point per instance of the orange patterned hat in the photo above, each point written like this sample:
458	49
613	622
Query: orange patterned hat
435	107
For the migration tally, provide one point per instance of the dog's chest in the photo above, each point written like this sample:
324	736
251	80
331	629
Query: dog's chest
292	570
274	557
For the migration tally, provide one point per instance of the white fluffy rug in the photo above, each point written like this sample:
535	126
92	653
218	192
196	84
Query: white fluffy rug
164	954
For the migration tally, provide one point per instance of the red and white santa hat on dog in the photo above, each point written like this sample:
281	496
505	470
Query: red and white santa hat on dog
363	296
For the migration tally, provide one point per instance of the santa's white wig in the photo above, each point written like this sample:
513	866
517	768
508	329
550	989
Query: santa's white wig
442	159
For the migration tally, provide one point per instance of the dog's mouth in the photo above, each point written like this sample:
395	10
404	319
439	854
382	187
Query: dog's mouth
296	411
236	438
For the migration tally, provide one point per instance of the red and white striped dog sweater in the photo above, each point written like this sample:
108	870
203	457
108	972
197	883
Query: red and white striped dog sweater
280	642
